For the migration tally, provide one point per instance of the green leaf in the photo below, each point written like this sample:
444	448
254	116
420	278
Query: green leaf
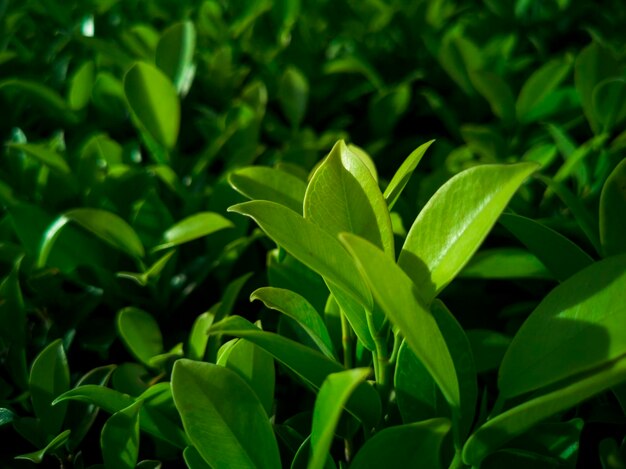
119	439
44	155
13	327
174	53
520	459
504	427
308	243
387	107
609	103
49	378
220	412
140	333
193	227
577	327
6	416
293	95
81	85
404	173
496	91
612	212
402	303
455	221
198	338
263	183
56	443
44	97
413	445
151	274
152	99
256	367
488	348
342	196
299	309
560	256
505	263
540	85
193	459
311	366
331	399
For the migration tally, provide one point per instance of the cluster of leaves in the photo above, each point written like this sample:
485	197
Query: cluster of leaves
134	134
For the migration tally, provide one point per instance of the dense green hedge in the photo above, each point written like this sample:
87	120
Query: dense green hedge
130	128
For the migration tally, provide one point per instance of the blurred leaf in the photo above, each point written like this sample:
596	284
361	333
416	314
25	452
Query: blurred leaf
219	412
80	86
293	95
488	348
496	91
174	53
612	212
44	155
609	103
152	99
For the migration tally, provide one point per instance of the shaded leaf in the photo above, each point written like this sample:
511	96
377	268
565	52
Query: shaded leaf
140	333
613	212
119	439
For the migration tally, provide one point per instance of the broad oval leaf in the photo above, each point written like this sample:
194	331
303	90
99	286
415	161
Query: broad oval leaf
333	395
402	303
49	378
174	53
613	212
577	327
193	227
519	419
153	100
455	221
219	412
342	196
401	446
119	439
310	365
308	243
299	309
81	85
404	173
561	256
140	333
263	183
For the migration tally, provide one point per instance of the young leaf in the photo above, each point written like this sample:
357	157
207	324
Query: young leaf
342	196
174	53
612	210
119	439
308	243
49	378
311	366
402	303
220	412
403	174
577	327
561	256
263	183
541	83
519	419
193	227
152	99
256	367
57	442
198	338
299	309
140	333
413	445
331	399
455	221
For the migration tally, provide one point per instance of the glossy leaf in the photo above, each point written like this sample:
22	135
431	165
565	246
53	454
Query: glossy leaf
49	378
502	428
311	366
308	243
193	459
220	412
561	256
332	397
140	333
342	196
540	84
505	263
193	227
153	100
403	304
256	367
6	416
174	53
577	327
455	221
412	445
263	183
403	174
198	338
56	443
120	438
299	309
612	212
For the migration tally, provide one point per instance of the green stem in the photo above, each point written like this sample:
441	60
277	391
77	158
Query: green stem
457	462
346	342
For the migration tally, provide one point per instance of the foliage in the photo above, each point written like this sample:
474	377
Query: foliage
165	161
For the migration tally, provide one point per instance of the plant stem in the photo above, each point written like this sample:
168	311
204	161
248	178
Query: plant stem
346	342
